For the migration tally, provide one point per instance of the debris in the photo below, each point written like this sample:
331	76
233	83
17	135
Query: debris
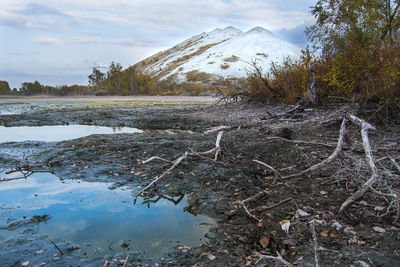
324	233
264	241
379	229
38	251
362	263
301	213
184	249
25	263
337	225
285	224
211	257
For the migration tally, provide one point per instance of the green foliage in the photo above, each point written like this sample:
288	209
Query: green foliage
96	79
4	88
358	46
358	39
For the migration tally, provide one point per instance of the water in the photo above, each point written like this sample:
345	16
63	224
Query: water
57	133
100	220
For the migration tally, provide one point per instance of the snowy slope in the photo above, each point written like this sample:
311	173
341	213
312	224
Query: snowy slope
223	53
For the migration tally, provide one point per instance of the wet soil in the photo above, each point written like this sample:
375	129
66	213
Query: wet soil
214	188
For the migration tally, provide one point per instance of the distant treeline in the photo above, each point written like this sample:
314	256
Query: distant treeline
114	82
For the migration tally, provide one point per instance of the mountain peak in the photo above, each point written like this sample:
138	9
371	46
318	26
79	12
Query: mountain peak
218	53
258	30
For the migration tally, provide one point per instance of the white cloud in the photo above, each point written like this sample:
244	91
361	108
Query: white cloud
57	41
48	41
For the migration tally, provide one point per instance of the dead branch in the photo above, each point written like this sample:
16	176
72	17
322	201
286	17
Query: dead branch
268	166
278	258
216	150
368	155
242	203
154	158
395	164
300	141
315	242
216	129
276	204
55	246
330	158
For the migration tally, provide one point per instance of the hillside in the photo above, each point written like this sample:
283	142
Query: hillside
224	53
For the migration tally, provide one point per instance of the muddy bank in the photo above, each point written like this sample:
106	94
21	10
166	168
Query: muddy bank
213	188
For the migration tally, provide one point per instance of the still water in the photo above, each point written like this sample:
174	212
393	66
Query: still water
99	220
57	133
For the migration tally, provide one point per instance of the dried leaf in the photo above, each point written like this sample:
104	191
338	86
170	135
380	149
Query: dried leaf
25	263
105	264
285	224
211	257
301	213
324	233
379	229
264	241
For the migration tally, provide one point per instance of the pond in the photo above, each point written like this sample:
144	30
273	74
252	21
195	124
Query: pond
57	133
99	220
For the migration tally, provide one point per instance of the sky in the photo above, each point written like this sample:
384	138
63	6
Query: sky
59	42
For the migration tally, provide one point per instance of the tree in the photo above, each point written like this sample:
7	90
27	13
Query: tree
28	88
4	88
96	79
114	78
359	40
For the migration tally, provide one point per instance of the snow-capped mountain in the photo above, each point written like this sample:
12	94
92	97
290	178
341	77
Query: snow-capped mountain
223	53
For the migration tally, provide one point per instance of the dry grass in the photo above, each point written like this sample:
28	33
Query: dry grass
232	58
225	66
198	76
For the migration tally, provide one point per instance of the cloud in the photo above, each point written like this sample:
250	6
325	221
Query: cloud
48	41
57	41
28	23
82	40
34	9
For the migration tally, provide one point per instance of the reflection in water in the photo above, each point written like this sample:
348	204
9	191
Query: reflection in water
57	133
102	221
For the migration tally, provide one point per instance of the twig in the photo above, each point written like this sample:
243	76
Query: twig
268	166
216	129
126	260
155	157
277	204
299	141
395	164
315	243
279	258
55	245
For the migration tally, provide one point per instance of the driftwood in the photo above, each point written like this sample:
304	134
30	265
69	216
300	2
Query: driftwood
365	126
214	151
368	155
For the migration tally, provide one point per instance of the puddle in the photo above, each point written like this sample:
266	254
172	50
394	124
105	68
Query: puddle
57	133
99	220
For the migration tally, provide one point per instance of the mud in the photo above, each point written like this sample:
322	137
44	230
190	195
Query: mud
213	188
